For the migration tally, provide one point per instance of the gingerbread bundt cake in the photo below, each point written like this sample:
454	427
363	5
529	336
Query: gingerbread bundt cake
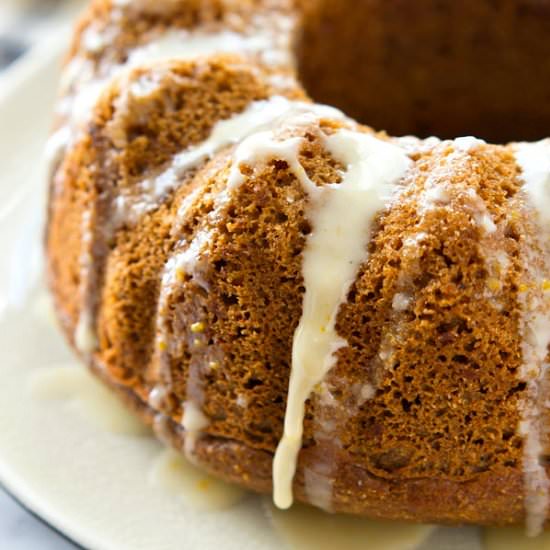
299	303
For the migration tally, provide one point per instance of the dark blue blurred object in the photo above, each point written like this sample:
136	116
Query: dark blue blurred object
10	50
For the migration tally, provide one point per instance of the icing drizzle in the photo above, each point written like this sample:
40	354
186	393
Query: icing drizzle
250	128
334	251
341	216
534	160
83	88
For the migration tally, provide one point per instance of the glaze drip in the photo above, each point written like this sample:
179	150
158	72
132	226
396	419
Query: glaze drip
177	476
534	160
341	216
305	528
194	422
85	338
257	144
258	116
82	86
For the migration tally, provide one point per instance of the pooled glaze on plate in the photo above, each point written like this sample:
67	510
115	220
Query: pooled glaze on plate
172	472
307	528
88	396
301	527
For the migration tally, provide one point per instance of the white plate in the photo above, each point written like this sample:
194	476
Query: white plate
87	482
90	484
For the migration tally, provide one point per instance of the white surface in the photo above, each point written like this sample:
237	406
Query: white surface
21	531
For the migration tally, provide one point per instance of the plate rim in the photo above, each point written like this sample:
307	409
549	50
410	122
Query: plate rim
36	516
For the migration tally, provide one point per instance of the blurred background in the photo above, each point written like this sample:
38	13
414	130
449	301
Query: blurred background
26	23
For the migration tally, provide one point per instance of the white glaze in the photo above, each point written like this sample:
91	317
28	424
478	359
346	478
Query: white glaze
341	216
258	148
172	45
95	40
186	262
320	474
55	149
249	127
319	486
177	476
537	484
482	216
306	528
352	148
534	160
438	192
364	392
85	338
435	195
414	144
283	81
242	401
401	301
491	247
486	223
257	116
194	422
250	123
186	45
157	397
88	396
260	115
511	538
468	143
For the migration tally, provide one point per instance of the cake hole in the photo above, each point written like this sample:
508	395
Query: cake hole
251	383
230	299
518	388
219	265
430	68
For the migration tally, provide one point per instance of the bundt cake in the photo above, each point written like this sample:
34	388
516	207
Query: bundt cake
298	302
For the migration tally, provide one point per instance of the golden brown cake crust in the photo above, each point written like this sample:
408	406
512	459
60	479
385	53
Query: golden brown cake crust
438	440
474	67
